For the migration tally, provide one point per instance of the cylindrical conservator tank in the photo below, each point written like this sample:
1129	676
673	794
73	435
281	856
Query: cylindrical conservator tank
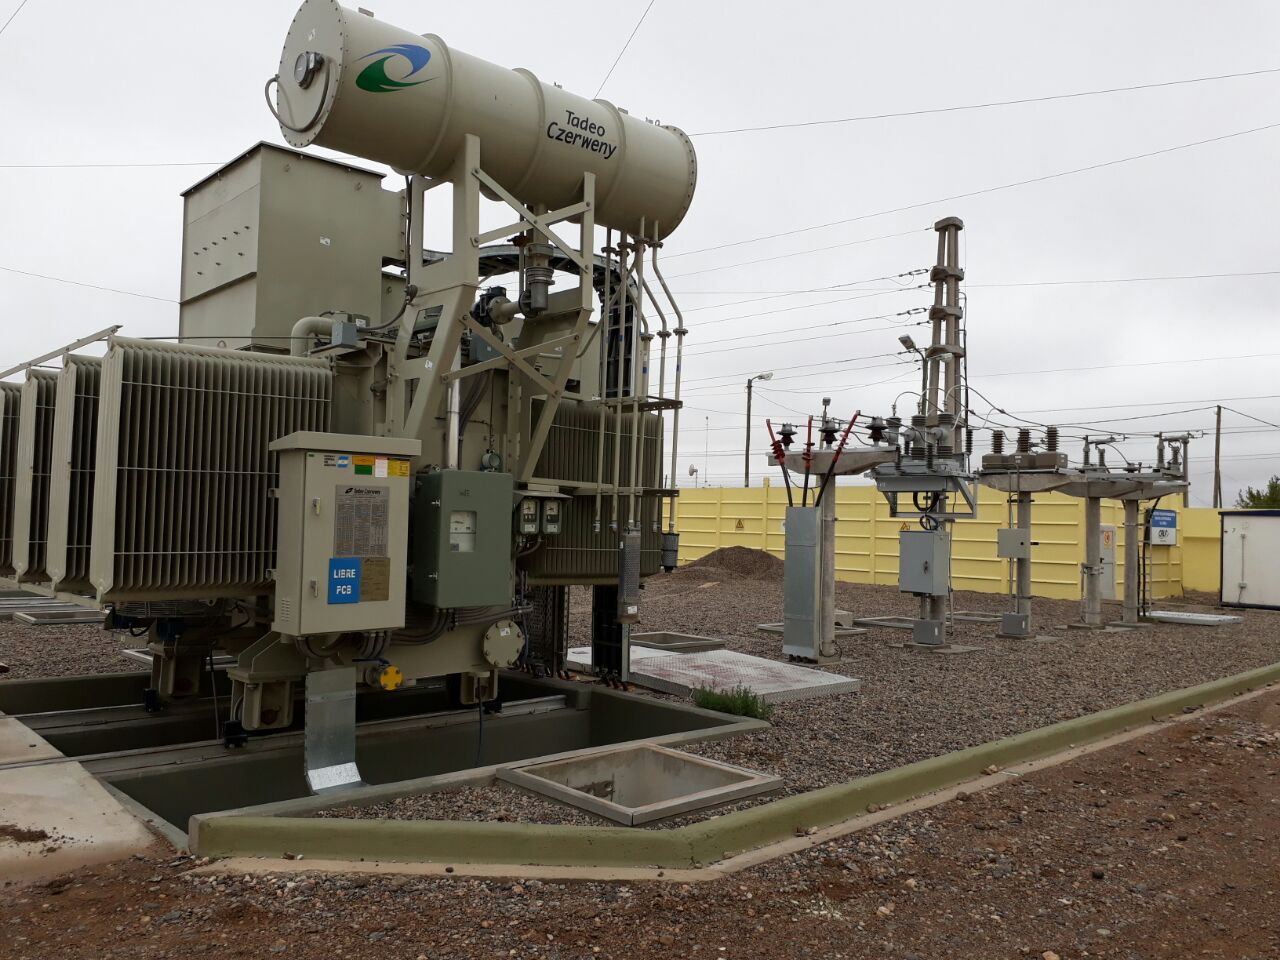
383	93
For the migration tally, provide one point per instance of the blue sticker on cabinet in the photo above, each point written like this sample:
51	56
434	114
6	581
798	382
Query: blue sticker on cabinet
344	580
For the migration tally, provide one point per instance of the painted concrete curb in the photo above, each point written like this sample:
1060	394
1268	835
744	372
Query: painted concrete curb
222	835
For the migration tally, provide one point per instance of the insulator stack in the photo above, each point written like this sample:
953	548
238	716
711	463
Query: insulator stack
1051	439
1024	440
997	441
946	430
919	423
968	440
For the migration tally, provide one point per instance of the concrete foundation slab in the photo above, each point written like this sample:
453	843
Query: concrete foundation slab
772	680
1193	619
840	631
640	784
935	647
892	623
56	817
46	617
675	642
20	744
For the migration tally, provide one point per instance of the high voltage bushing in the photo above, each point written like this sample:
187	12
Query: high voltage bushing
997	442
919	423
1024	440
946	425
968	440
1051	439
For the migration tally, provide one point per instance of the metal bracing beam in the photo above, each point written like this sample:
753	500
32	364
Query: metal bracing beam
542	223
586	290
62	351
517	358
484	365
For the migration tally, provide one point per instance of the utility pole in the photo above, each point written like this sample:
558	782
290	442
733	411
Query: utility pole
746	459
1217	458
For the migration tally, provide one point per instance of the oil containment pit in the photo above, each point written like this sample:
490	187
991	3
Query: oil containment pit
639	784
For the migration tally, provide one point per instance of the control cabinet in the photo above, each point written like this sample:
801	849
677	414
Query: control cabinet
343	524
924	562
462	539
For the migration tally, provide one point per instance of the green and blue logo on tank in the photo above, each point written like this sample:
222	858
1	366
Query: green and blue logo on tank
374	76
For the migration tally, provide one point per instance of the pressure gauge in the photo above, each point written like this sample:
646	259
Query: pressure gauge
550	516
529	517
306	66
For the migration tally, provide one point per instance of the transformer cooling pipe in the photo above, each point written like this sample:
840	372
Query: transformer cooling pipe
352	83
306	328
679	331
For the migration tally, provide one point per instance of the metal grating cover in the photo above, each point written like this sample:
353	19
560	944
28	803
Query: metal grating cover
75	439
10	403
31	485
182	500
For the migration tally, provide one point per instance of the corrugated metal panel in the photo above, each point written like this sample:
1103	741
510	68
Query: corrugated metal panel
182	504
75	438
10	404
570	457
570	451
31	496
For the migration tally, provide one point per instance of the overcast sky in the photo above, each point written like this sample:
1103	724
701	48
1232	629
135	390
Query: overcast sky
164	82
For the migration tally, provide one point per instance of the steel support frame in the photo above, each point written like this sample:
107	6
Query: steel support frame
452	284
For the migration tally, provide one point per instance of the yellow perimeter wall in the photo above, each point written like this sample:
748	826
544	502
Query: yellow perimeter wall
867	538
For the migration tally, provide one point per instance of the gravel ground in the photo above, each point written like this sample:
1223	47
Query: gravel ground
59	651
1161	848
912	705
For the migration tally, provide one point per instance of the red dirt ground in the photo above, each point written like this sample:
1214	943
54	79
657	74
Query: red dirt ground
1162	847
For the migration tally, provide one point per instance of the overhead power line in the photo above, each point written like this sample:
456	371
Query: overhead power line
985	190
618	58
88	166
90	286
798	253
987	105
1021	283
16	11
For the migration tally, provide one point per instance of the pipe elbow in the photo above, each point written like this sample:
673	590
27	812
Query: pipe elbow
302	332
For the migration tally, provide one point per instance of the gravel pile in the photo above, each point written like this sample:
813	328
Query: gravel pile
735	561
912	705
62	650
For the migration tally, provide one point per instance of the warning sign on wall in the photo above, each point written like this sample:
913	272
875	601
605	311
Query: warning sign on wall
739	525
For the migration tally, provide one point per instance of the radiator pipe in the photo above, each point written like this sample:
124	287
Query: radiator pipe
624	281
679	331
632	520
603	329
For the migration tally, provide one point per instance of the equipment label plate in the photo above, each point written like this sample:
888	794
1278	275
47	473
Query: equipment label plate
361	518
375	579
344	580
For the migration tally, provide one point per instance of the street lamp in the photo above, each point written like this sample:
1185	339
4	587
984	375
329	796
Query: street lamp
909	344
746	464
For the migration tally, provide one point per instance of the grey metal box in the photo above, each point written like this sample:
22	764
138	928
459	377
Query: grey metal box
1015	624
924	562
462	530
1012	543
928	632
343	532
802	575
276	235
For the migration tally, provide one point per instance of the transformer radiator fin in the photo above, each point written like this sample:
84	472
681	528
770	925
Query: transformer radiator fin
183	504
31	486
75	439
10	407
